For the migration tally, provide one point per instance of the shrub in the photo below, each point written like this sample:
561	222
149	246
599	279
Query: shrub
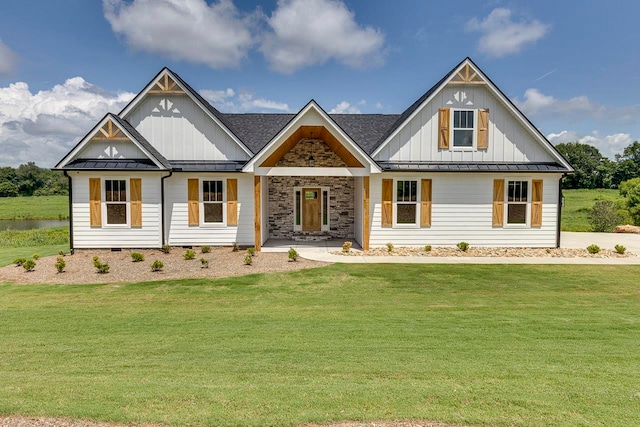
60	264
95	258
248	260
19	261
620	249
235	247
61	252
36	256
251	251
204	262
137	257
463	246
631	190
389	247
102	268
593	249
157	265
205	249
165	249
29	265
604	216
346	247
427	248
293	254
189	254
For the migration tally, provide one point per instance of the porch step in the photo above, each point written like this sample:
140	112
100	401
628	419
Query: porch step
310	237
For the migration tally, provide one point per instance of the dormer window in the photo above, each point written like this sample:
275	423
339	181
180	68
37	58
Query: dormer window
463	128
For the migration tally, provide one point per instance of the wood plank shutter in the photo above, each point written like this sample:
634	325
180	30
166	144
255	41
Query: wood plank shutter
536	203
95	203
425	203
136	202
193	201
387	202
443	128
232	201
498	202
483	129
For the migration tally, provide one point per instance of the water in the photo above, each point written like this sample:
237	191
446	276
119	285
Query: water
31	224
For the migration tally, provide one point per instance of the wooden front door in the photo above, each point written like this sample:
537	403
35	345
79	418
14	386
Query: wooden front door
311	209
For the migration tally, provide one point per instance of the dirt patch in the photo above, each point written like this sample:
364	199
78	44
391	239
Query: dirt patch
223	262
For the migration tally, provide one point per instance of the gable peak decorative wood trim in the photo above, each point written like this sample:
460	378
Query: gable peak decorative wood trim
467	76
110	132
166	86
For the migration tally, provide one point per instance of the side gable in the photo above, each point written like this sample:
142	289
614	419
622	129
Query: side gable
507	136
181	124
113	144
311	122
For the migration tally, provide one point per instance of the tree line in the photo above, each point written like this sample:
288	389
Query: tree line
31	180
593	170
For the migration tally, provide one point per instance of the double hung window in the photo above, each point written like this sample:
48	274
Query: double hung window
213	201
517	200
463	128
406	201
116	201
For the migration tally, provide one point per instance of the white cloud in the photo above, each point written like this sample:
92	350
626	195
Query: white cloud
538	104
344	108
310	32
42	127
229	102
8	59
502	36
609	145
191	30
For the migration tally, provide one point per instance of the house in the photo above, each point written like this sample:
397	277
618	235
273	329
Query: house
462	163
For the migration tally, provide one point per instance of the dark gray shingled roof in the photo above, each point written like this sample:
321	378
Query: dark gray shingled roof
112	164
206	166
142	141
470	167
365	129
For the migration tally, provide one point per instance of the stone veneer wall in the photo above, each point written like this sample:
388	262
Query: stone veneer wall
341	202
322	155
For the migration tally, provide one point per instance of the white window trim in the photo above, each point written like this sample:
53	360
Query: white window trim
395	202
103	201
201	203
474	145
527	217
323	227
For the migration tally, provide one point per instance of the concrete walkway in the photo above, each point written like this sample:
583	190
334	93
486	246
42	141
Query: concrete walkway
321	251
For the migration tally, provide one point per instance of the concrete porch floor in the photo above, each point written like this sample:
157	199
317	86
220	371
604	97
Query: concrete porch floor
278	245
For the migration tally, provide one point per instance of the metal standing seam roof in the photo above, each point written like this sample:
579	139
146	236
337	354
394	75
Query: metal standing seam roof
206	166
470	167
112	164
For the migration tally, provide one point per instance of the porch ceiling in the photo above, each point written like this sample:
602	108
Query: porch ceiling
311	132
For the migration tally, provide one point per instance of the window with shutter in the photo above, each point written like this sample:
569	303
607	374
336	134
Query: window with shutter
387	203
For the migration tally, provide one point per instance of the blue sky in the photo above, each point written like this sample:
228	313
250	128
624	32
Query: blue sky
572	67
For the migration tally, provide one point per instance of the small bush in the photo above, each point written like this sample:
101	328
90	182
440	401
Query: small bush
251	251
95	258
60	264
620	249
346	247
427	248
593	249
102	268
61	252
157	265
137	257
165	249
189	254
248	260
29	265
463	246
604	216
235	247
19	261
205	249
204	262
293	254
389	247
36	256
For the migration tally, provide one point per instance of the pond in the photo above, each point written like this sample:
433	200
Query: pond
31	224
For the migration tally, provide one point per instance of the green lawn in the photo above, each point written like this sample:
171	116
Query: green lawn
465	344
578	203
24	243
42	207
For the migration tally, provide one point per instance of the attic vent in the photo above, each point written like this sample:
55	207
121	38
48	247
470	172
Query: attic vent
467	76
166	86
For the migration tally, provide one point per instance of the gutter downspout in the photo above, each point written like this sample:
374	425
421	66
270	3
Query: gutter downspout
71	250
162	207
559	226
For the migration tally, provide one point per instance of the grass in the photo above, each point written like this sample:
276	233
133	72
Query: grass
42	207
473	344
24	243
578	203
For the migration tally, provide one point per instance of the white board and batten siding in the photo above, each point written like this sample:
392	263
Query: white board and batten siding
101	149
105	236
509	140
180	130
180	233
462	206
